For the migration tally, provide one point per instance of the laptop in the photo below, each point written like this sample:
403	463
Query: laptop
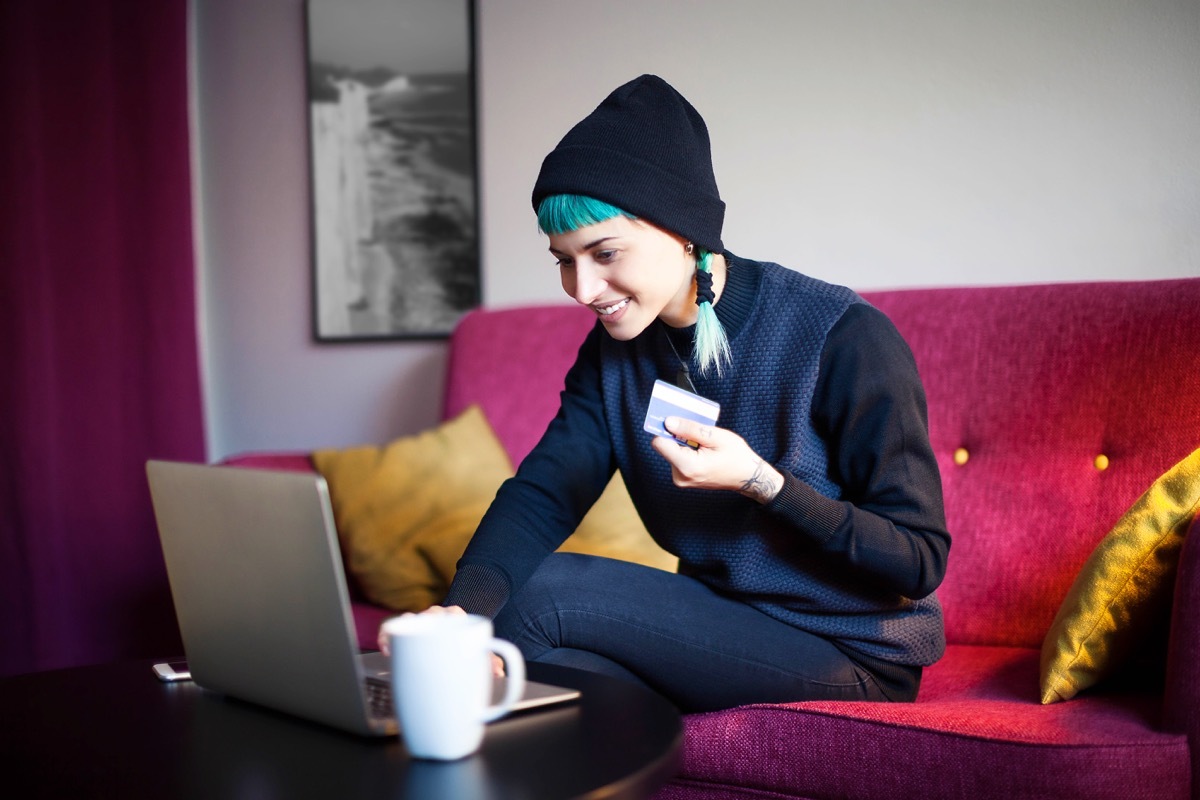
260	593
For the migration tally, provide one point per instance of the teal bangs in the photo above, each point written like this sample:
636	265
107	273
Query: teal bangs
563	213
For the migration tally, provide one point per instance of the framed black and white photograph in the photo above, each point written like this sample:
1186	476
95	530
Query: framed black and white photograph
393	153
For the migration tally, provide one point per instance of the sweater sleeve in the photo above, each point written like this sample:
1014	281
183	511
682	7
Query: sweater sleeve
538	508
870	406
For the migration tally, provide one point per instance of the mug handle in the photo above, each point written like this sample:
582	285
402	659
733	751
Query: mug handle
514	666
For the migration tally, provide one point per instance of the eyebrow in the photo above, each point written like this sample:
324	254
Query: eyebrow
587	246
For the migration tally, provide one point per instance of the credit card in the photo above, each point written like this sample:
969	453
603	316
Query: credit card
668	400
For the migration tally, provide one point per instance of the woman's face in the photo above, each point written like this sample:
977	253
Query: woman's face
629	272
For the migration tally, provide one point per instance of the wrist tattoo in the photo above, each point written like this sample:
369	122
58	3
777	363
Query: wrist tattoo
763	485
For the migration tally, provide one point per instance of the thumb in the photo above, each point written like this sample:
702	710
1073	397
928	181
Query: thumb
692	433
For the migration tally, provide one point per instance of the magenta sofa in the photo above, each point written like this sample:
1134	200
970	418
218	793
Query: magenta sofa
1027	385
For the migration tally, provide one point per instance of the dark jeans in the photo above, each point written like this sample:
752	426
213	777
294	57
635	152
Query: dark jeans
699	649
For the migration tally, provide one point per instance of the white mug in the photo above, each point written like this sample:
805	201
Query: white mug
442	681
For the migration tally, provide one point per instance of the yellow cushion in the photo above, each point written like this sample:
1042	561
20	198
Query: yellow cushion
1125	583
613	528
406	511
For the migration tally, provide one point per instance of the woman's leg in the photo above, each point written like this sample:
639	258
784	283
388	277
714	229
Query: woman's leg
699	649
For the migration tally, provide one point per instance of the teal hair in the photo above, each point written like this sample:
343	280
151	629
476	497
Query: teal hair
563	213
711	344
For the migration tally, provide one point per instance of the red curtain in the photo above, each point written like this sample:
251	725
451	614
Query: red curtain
97	323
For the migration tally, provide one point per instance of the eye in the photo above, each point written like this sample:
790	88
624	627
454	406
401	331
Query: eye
565	263
606	256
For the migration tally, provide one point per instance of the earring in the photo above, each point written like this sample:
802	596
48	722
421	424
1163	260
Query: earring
689	248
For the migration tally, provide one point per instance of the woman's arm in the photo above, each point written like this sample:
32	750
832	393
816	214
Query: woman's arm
538	508
869	403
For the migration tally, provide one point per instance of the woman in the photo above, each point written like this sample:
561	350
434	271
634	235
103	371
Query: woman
808	522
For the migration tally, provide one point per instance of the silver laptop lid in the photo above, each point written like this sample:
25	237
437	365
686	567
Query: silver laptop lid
260	594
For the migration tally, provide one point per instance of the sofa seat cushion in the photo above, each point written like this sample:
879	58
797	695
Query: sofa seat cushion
977	729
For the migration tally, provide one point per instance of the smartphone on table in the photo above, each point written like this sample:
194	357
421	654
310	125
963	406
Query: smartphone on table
172	671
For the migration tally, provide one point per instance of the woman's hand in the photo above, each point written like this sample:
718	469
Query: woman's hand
723	460
382	639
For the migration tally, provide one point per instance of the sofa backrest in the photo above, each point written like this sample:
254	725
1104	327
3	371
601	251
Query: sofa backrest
1035	384
512	362
1063	402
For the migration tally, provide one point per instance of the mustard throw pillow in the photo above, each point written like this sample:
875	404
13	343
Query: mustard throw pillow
1126	581
406	511
613	528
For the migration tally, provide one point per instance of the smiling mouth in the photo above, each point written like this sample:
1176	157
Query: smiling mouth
605	311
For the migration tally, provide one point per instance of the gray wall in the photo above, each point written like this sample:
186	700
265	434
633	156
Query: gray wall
876	144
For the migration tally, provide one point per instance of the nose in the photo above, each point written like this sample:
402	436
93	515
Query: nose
584	282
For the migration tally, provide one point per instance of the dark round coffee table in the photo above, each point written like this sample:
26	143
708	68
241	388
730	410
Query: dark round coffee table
116	731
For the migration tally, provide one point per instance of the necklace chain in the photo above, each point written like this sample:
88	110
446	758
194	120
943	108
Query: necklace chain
685	373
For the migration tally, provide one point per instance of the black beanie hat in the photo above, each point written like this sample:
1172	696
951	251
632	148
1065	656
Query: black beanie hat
644	150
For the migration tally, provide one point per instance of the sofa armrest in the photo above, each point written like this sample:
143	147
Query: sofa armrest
291	462
1181	698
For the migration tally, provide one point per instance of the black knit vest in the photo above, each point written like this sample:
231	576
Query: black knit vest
731	543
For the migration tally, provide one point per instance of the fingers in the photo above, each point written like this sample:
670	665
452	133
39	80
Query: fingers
720	459
693	433
451	610
382	640
688	464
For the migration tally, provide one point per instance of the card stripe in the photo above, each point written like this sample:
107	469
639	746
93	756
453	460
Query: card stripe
686	400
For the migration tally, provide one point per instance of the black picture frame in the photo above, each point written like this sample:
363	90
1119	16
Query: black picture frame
394	167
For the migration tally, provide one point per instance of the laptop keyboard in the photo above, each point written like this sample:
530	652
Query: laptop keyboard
379	699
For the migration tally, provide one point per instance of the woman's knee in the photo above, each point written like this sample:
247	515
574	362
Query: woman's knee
522	619
566	583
